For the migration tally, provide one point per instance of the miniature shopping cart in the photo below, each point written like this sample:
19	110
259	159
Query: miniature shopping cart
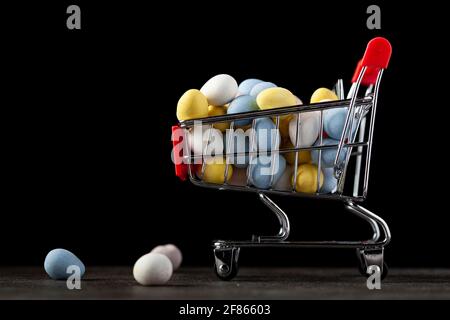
351	166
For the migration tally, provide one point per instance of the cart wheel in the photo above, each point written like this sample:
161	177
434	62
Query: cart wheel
371	257
226	262
365	274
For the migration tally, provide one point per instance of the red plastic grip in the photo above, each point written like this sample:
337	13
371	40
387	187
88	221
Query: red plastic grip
378	53
370	76
181	169
376	57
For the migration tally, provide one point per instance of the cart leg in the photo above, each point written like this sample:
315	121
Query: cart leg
371	257
283	220
373	251
226	262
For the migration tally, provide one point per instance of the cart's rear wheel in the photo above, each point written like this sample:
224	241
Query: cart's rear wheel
226	262
223	274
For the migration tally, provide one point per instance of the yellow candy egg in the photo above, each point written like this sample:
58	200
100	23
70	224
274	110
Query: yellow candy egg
307	178
275	98
218	111
304	156
284	125
215	171
322	94
192	105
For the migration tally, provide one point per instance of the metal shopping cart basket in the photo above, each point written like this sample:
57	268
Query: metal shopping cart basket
353	155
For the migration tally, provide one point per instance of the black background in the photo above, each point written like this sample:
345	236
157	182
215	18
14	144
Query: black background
87	117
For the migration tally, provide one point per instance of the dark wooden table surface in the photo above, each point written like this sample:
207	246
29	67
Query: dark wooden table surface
251	283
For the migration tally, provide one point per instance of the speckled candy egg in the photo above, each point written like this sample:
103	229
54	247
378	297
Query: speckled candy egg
330	182
258	88
244	103
239	145
192	105
152	269
262	171
308	129
199	136
328	155
275	98
246	86
215	171
220	89
58	260
322	94
307	178
172	252
284	183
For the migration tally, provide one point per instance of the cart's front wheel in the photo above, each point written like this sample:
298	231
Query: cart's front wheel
226	262
364	273
367	258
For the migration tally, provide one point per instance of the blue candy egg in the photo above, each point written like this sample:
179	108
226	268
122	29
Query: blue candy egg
240	104
58	260
334	120
262	171
246	86
266	134
260	87
329	181
328	155
240	144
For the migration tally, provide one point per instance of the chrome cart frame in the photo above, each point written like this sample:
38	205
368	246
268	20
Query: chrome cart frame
361	110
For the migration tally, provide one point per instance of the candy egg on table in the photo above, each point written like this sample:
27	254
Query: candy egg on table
244	103
58	261
304	156
330	182
323	94
284	183
220	89
328	155
218	111
239	144
258	88
307	178
239	177
266	135
262	171
246	86
172	252
275	98
215	170
199	136
192	105
308	129
152	269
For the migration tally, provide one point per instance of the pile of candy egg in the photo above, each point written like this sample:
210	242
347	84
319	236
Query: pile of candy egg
222	95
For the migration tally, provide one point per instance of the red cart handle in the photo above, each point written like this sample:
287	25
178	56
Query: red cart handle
378	53
370	76
181	169
376	57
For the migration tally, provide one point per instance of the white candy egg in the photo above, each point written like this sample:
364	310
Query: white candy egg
172	252
198	137
308	130
220	89
152	269
285	181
